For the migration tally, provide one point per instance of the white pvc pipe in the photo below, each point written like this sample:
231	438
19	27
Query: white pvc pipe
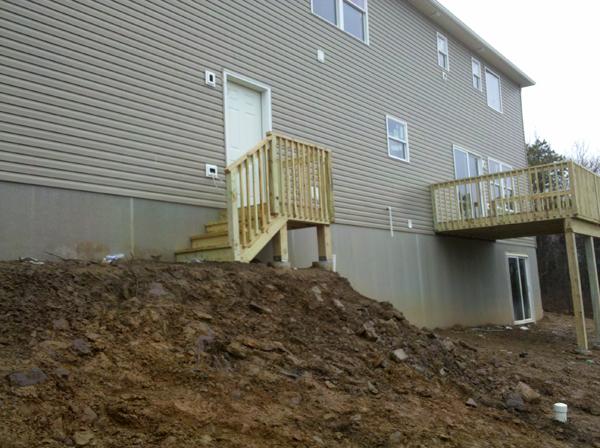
560	412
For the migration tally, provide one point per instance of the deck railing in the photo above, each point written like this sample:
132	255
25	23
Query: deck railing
545	192
281	177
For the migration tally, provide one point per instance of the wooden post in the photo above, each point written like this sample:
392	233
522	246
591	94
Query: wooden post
592	268
275	174
233	223
576	295
280	248
325	247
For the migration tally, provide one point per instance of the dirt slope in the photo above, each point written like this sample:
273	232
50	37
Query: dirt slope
229	355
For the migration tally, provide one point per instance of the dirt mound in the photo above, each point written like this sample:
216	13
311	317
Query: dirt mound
230	355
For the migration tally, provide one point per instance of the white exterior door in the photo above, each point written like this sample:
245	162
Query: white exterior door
244	117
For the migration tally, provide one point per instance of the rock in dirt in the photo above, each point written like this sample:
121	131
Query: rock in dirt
29	377
259	308
61	324
399	355
81	347
82	438
448	345
528	394
372	388
514	401
471	403
339	305
237	350
395	439
367	331
317	293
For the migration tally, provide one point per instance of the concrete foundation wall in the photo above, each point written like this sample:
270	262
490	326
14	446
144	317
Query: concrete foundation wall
35	221
436	281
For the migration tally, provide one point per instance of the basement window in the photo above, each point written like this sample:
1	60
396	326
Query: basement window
442	51
348	15
397	137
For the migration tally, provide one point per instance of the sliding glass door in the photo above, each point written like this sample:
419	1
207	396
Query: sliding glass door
467	164
519	284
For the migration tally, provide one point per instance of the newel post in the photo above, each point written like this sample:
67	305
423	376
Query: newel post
275	177
233	223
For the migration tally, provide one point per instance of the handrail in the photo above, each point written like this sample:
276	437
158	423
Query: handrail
279	178
517	196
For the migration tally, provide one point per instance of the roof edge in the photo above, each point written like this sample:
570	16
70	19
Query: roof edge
440	15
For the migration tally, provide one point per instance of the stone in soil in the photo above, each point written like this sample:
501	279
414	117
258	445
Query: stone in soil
82	438
29	377
528	394
81	347
399	355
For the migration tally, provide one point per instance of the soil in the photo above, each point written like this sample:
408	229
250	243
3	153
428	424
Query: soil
143	354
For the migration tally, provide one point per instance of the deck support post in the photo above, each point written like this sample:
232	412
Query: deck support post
325	248
576	295
592	269
280	248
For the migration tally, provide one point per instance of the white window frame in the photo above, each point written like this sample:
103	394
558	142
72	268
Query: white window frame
528	298
476	75
388	137
339	14
487	70
439	35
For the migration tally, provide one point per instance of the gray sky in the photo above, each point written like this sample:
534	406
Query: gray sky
557	44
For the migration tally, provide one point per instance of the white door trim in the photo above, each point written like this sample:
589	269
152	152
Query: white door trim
265	94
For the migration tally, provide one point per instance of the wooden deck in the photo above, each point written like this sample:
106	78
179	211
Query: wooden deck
548	199
524	202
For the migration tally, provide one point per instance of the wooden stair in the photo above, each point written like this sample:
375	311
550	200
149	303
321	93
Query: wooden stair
212	245
281	183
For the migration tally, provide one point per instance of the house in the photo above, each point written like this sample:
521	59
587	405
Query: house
132	126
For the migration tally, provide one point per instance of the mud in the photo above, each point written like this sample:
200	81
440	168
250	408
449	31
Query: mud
229	355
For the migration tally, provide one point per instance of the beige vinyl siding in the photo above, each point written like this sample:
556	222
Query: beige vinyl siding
109	96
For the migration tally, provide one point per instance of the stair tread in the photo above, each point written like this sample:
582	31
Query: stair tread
206	249
209	235
216	223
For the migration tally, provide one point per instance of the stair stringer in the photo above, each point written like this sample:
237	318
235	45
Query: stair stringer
247	254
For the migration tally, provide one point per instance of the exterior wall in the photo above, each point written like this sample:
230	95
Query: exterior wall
37	221
435	281
106	125
109	97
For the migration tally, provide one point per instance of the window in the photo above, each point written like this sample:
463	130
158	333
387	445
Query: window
442	50
494	90
397	137
476	70
349	15
519	286
326	9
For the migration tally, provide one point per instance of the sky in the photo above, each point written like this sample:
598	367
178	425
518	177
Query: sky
557	44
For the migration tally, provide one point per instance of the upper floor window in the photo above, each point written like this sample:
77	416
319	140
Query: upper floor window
493	88
442	51
476	70
349	15
397	135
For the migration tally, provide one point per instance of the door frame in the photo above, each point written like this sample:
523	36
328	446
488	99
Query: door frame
265	95
528	298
